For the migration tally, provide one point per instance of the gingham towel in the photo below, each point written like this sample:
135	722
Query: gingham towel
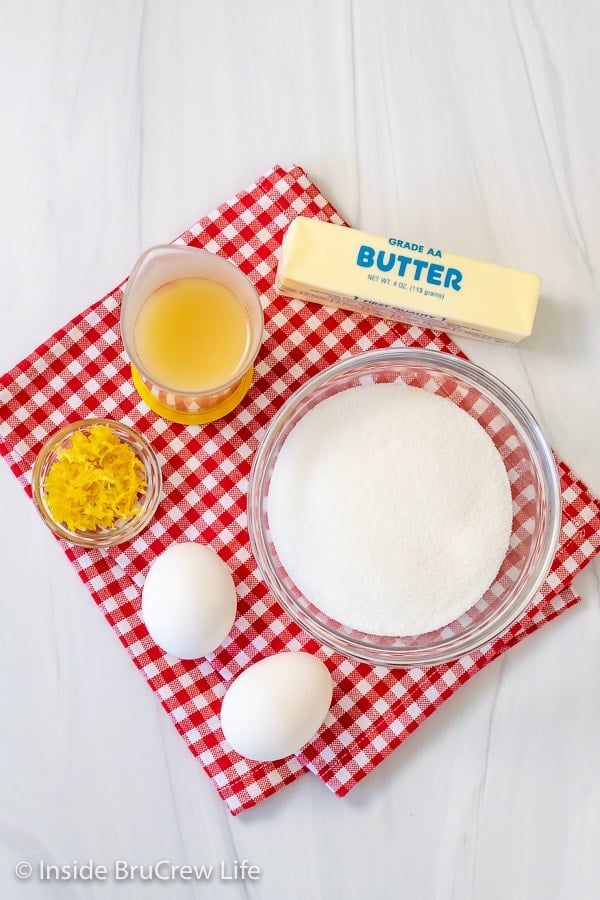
82	371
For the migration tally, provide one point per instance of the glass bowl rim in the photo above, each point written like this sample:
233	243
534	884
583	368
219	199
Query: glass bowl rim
508	402
128	528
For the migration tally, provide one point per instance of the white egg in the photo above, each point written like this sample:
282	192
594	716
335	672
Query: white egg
188	600
277	705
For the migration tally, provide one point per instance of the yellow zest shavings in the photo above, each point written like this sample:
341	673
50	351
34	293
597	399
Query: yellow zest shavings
95	482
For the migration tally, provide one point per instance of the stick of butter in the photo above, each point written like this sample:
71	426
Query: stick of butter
406	282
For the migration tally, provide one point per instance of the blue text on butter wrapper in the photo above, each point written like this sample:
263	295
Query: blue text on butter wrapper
406	266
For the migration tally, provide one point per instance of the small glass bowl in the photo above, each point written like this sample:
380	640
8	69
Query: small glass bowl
531	472
123	530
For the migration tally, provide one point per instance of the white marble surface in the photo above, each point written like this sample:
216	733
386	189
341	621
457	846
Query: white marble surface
473	126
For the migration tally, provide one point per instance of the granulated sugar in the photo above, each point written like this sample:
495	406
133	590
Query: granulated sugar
390	508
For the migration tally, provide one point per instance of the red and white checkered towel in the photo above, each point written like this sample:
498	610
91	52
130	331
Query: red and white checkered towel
82	371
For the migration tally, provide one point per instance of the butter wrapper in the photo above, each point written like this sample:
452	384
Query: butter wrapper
407	282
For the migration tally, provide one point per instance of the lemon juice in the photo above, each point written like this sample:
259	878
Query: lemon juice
192	335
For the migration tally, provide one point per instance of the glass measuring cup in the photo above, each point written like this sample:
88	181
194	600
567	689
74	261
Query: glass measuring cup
162	268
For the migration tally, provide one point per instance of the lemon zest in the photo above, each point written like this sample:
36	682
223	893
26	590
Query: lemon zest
95	482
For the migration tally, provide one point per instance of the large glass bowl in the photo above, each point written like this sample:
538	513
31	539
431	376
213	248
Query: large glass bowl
123	529
535	493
